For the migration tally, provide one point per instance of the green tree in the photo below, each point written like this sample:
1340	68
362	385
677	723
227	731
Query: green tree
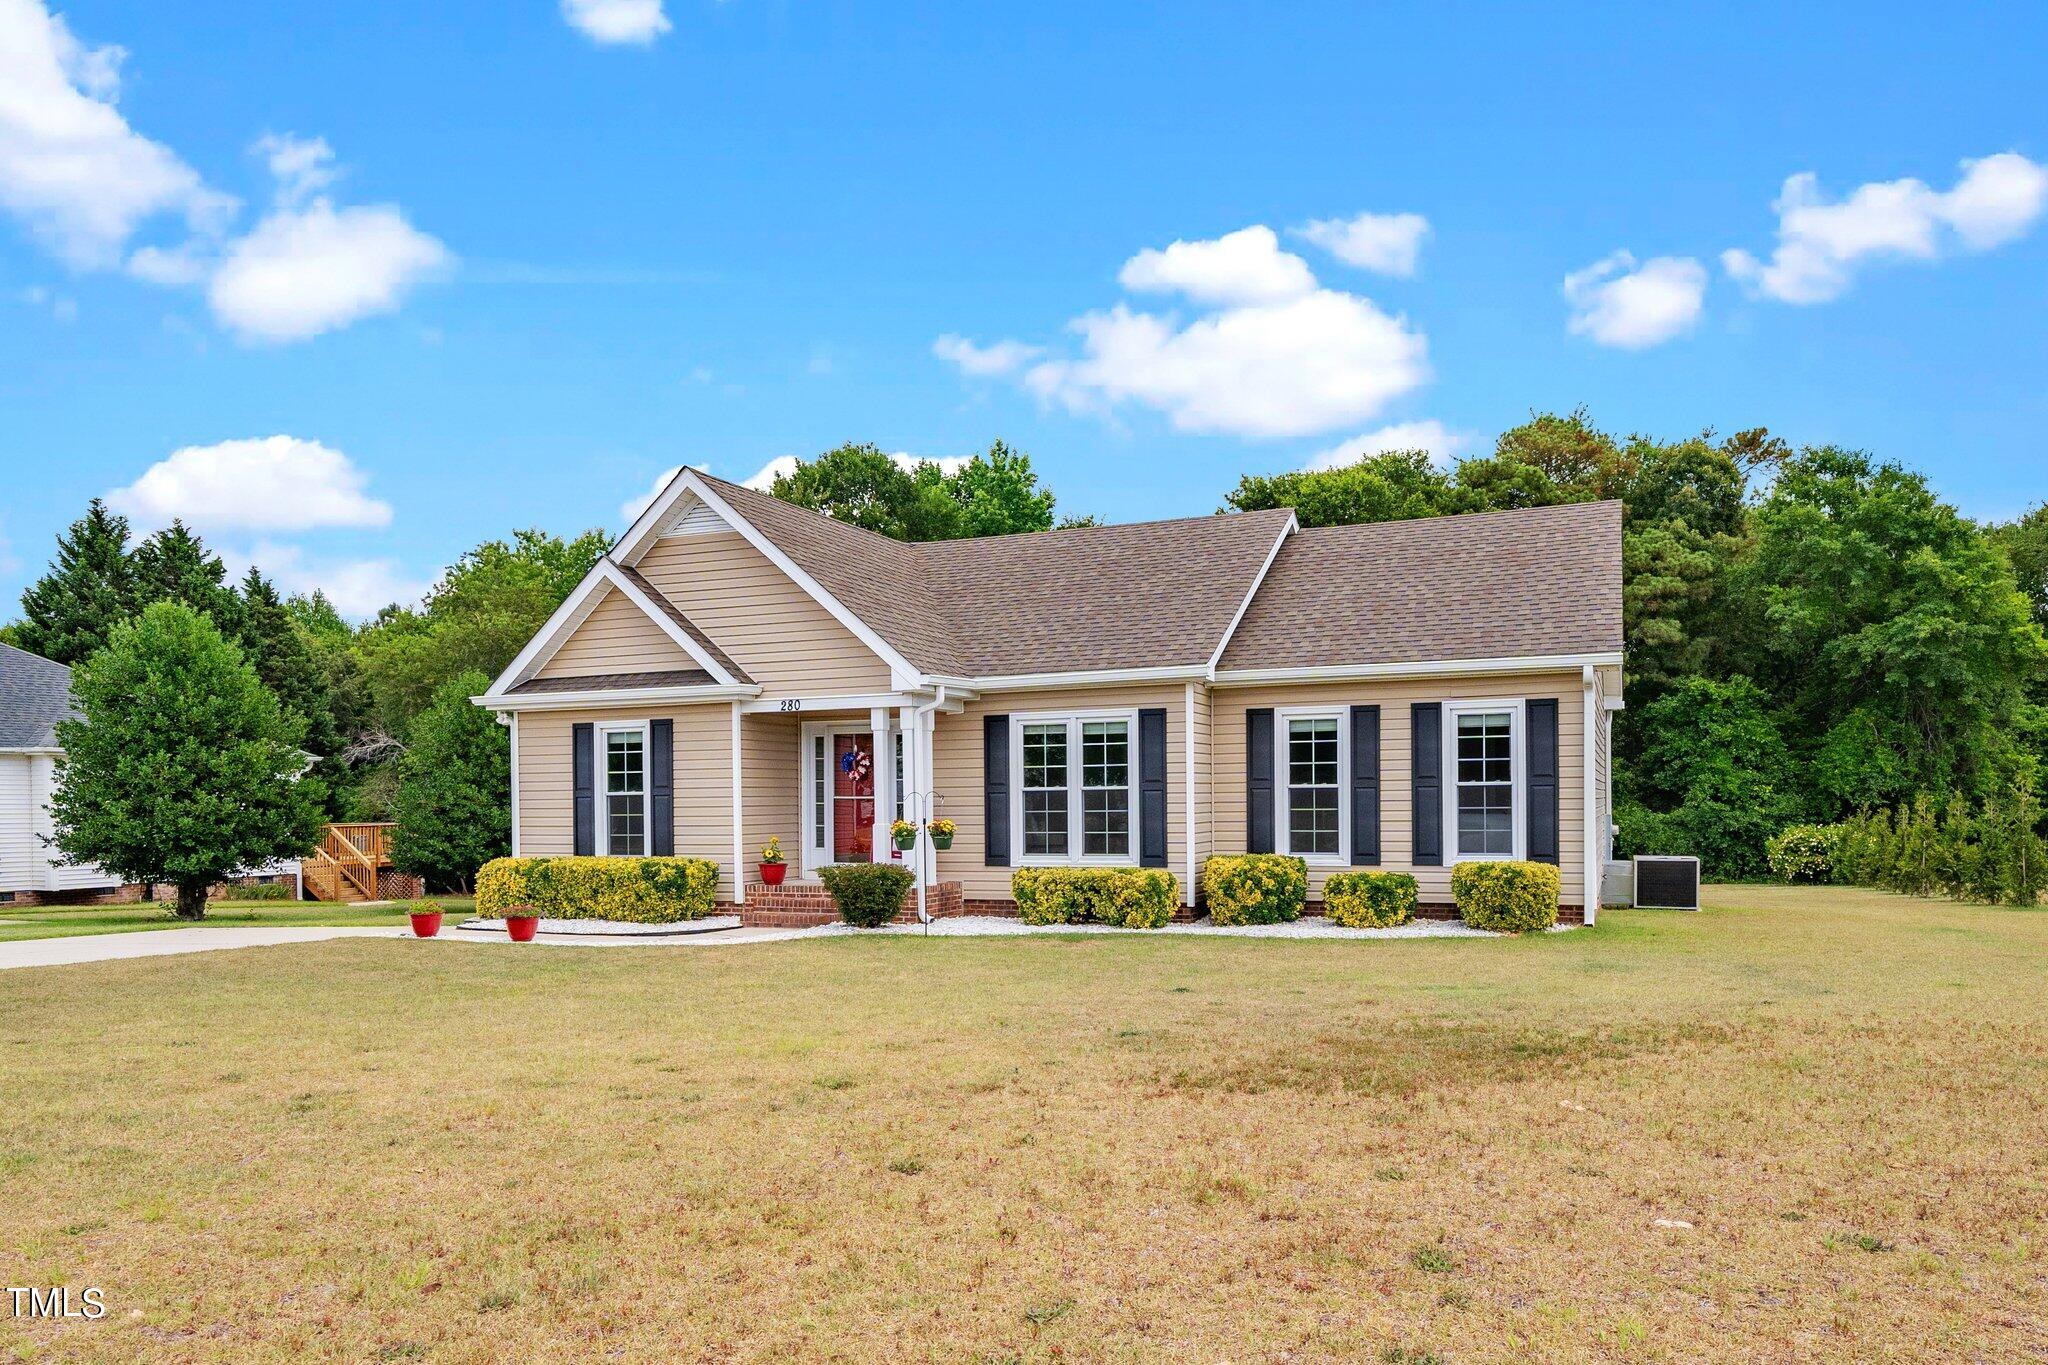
1394	486
1716	780
998	494
479	616
1891	632
864	487
278	649
174	565
72	610
454	793
180	767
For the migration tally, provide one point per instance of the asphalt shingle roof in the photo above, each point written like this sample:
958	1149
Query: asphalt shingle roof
35	693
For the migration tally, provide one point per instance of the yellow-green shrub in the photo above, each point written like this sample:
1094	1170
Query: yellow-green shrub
636	890
1255	888
1506	897
1129	897
1369	900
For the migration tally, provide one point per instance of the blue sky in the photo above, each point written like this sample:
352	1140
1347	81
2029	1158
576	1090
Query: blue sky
486	265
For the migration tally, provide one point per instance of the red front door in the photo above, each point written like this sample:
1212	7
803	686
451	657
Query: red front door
853	798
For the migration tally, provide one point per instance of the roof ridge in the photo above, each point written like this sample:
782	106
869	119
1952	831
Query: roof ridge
1440	518
811	512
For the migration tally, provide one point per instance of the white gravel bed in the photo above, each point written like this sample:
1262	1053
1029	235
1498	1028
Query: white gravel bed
991	926
611	928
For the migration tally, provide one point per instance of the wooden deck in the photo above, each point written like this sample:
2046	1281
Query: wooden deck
352	863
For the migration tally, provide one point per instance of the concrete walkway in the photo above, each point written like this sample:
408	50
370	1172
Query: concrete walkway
57	952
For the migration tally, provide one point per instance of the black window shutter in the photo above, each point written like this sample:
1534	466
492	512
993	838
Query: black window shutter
995	790
661	788
584	746
1542	788
1365	785
1152	787
1258	780
1428	782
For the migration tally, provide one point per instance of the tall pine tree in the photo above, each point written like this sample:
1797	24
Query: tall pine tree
72	610
174	565
277	649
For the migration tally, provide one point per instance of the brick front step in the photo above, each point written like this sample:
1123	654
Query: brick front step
805	905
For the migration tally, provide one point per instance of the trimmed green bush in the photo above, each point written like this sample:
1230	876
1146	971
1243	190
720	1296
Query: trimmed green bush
1803	853
868	894
635	890
261	891
1128	897
1255	888
1506	897
1369	900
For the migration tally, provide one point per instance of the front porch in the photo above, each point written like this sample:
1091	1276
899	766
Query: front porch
806	904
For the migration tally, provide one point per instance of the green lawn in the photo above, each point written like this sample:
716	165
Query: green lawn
1803	1125
58	921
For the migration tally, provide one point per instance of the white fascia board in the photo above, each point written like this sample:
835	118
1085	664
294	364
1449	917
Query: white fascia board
1091	677
617	696
654	613
635	542
1421	668
850	701
1258	581
575	608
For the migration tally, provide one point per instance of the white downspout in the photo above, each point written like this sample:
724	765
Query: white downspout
1590	846
920	765
739	835
1188	771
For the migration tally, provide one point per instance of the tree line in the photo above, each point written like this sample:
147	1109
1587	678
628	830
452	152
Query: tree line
1811	633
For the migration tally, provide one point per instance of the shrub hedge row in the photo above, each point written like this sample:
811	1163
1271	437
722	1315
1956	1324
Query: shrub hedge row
1992	853
1129	897
636	890
1255	888
1369	900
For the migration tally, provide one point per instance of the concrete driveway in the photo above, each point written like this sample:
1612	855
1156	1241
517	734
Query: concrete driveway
57	952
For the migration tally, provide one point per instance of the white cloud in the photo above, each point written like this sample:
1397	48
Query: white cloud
1003	357
1619	302
300	165
1997	199
782	466
1388	243
358	588
763	479
1311	364
272	483
1246	266
617	21
1432	436
70	166
304	271
1276	355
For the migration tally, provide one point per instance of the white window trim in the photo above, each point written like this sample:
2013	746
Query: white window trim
1073	720
1518	752
600	739
815	857
1281	835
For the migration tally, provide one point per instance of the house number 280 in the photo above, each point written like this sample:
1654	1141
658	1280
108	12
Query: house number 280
790	704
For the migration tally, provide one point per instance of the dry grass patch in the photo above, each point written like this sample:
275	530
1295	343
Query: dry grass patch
1798	1126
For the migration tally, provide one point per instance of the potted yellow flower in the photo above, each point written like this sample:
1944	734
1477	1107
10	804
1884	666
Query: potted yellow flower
941	831
774	867
904	833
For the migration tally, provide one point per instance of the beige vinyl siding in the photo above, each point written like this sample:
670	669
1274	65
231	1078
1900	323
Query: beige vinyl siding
1396	797
772	628
1203	828
771	781
957	774
703	780
616	638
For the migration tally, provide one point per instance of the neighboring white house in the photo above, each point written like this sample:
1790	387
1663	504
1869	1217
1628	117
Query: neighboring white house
35	693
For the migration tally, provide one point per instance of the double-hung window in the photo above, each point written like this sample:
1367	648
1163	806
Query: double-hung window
1483	741
1312	799
1074	789
623	813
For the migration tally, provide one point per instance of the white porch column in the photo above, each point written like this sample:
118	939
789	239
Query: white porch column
1592	869
928	856
914	788
739	831
885	784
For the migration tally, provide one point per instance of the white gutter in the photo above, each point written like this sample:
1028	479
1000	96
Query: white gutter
1419	668
622	696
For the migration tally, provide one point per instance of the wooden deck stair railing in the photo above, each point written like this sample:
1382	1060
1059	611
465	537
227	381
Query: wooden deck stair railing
346	864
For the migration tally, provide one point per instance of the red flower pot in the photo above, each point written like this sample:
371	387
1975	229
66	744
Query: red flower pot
522	927
426	923
773	873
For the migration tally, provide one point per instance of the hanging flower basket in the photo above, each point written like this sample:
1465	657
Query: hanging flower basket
941	831
904	833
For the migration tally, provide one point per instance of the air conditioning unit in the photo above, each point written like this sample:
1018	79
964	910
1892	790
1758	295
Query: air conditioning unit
1667	883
